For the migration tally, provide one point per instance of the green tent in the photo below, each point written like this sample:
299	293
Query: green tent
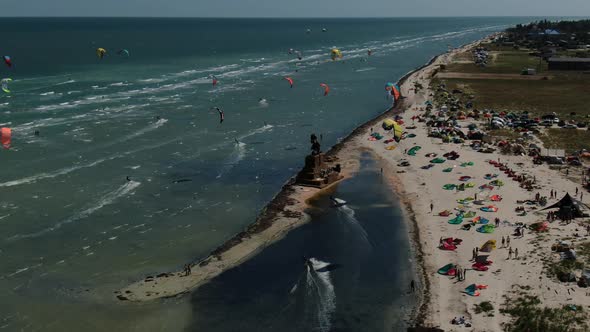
412	151
445	269
457	220
449	186
467	164
447	170
469	214
486	229
437	161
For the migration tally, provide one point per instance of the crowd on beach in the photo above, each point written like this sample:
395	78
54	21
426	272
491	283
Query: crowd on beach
454	137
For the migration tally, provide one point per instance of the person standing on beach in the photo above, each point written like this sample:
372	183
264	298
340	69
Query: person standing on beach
473	255
516	253
431	207
508	240
576	191
503	242
412	286
510	253
551	194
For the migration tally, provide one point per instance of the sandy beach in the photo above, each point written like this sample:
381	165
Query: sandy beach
418	188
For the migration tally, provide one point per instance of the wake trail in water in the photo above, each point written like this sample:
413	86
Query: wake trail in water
107	199
319	286
235	157
347	214
67	170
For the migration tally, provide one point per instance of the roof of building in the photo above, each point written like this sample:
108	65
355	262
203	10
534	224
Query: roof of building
555	59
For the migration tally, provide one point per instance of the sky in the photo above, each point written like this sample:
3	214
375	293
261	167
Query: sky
294	8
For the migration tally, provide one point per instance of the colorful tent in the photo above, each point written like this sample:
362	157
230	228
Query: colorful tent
444	213
486	229
450	243
448	270
479	267
465	178
488	246
469	214
496	198
473	289
467	164
480	220
497	183
412	151
447	170
489	208
437	161
457	220
449	186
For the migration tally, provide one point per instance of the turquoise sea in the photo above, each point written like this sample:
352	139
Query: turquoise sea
73	229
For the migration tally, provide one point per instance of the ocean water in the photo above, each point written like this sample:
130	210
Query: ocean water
73	229
360	278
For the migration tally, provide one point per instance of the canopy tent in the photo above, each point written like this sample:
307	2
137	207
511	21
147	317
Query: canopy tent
486	228
457	220
448	270
488	246
569	207
412	151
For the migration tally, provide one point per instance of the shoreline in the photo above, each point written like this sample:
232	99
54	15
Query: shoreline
286	211
287	206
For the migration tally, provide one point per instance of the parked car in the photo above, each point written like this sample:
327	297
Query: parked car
547	123
570	126
581	124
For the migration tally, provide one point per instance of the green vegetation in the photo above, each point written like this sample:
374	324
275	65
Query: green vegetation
563	267
584	252
568	139
486	307
562	96
504	133
505	62
528	315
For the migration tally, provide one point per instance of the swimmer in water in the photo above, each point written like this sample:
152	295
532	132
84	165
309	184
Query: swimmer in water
37	133
128	179
158	117
237	142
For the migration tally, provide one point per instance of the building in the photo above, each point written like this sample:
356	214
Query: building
569	63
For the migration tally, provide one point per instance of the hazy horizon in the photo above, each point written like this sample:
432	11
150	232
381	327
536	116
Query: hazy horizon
294	9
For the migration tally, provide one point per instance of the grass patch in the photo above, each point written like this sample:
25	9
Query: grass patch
485	306
562	267
583	251
505	62
528	315
562	95
504	133
569	139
